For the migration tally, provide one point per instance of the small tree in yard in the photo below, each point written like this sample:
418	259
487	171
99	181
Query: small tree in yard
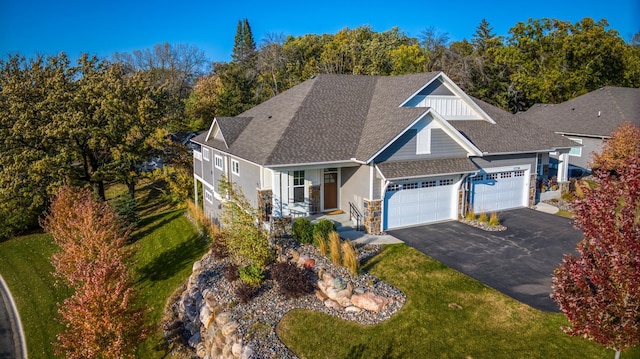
101	318
599	290
247	242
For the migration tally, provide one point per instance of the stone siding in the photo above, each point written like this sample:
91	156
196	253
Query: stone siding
372	216
265	204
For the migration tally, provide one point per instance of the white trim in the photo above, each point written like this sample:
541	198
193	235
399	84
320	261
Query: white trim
457	91
577	148
217	157
208	196
235	167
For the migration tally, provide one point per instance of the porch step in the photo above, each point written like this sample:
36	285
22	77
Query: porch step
342	221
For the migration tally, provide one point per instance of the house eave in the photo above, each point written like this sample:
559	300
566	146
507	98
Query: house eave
309	164
428	176
582	135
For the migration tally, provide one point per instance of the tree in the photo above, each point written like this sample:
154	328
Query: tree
248	243
599	290
619	150
101	318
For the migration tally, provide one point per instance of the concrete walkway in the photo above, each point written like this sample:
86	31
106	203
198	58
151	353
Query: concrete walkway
347	229
12	341
546	208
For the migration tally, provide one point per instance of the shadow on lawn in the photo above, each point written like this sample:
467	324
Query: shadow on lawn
151	223
358	351
172	261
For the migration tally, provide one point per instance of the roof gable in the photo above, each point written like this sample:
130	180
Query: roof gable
448	100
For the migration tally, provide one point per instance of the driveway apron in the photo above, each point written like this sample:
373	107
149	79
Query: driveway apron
519	262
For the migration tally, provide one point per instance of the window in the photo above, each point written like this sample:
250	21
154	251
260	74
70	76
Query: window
205	154
235	167
219	162
393	188
446	182
410	185
477	178
506	175
298	186
492	176
519	173
428	184
208	196
576	151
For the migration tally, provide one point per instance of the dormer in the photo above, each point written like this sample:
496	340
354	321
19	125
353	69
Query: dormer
448	100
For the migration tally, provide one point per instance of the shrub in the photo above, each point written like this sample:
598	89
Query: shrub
252	275
471	215
127	209
335	247
324	227
322	243
246	292
350	257
494	221
302	230
293	281
231	272
219	246
482	217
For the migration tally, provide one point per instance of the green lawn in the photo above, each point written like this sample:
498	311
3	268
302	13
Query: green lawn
166	246
24	264
490	325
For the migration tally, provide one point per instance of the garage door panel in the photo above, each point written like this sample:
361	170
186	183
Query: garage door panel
498	191
412	206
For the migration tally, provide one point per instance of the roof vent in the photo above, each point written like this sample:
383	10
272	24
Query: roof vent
598	113
269	117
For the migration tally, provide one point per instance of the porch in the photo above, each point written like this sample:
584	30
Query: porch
347	229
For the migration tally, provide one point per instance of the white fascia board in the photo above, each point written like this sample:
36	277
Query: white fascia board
314	165
458	91
455	134
380	173
215	122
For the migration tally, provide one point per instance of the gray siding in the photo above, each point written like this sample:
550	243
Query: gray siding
404	148
248	179
197	167
589	145
207	167
354	186
506	161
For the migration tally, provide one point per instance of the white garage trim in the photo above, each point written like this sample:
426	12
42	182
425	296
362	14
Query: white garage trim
419	201
497	189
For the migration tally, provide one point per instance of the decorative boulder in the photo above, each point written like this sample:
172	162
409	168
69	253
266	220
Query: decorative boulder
332	304
309	264
339	283
369	301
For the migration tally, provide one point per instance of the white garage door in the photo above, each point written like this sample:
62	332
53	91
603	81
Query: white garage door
498	191
418	202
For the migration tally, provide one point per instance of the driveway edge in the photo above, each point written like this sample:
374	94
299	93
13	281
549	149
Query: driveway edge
14	318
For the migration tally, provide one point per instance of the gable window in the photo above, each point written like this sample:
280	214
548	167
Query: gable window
298	186
208	196
576	151
218	162
235	167
206	154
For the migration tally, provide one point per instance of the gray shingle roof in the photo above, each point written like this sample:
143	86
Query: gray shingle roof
596	113
332	118
510	133
420	168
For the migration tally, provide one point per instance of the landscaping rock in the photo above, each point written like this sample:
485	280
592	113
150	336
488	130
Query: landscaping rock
352	309
369	301
195	340
309	264
332	304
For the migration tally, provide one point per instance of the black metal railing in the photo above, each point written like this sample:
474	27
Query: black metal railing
355	213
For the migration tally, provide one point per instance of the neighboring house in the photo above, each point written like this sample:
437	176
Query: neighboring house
587	120
402	150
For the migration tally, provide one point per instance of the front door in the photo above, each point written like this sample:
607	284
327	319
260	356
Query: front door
330	190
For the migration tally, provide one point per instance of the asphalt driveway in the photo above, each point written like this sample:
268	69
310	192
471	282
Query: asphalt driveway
519	262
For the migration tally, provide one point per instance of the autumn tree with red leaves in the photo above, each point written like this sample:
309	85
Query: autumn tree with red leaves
599	289
101	318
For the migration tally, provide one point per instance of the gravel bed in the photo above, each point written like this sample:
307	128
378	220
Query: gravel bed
258	318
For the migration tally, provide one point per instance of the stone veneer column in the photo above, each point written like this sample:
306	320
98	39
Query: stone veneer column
265	203
532	190
372	216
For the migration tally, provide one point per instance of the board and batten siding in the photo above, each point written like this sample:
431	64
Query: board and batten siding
405	147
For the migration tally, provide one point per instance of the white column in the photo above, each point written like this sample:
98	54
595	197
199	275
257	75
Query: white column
563	167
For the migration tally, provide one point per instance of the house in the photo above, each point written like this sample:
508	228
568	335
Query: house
399	150
587	120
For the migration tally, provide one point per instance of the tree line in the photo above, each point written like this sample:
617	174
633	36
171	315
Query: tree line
96	121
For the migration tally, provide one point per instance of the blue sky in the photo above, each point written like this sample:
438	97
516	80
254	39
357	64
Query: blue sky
104	27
